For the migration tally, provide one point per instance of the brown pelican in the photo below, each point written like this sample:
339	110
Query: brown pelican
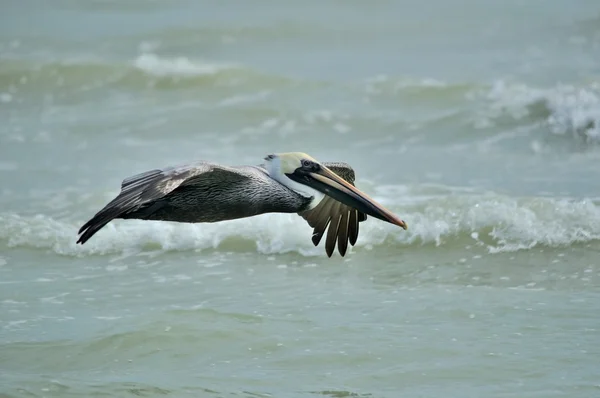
322	193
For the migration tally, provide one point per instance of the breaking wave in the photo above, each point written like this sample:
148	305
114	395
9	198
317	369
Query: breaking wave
179	66
146	70
563	109
492	222
393	102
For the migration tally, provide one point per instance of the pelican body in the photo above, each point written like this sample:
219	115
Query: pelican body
322	193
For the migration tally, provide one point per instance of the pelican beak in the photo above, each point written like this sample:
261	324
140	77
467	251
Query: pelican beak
331	184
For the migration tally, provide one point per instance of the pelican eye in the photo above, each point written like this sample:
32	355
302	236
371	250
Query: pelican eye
306	163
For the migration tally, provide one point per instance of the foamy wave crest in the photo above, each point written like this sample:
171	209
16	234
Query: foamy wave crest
491	222
81	74
179	66
266	233
505	224
411	89
565	109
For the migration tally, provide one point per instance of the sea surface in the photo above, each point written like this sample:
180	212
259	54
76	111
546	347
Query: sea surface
476	121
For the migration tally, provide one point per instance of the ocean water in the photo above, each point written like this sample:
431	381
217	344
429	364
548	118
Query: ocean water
477	122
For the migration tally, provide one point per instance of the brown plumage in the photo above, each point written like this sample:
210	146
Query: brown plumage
208	192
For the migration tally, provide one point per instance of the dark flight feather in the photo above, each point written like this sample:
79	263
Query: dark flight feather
334	214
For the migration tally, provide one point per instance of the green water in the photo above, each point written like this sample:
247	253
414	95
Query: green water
477	122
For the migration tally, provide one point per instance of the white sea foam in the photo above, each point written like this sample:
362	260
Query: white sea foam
566	109
383	83
497	223
178	66
6	97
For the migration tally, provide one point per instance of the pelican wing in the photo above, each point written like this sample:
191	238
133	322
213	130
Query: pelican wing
342	220
190	193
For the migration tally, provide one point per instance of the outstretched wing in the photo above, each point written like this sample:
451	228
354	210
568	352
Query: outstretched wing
144	195
342	220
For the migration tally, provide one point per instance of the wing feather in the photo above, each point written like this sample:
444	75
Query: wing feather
353	227
332	234
319	219
142	195
342	220
342	237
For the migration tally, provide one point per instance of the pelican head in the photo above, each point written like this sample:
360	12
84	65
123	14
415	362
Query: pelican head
306	176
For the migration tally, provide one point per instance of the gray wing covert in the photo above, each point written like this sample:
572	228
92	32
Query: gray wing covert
343	221
144	195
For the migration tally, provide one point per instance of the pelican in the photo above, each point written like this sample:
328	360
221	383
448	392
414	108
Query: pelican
294	182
